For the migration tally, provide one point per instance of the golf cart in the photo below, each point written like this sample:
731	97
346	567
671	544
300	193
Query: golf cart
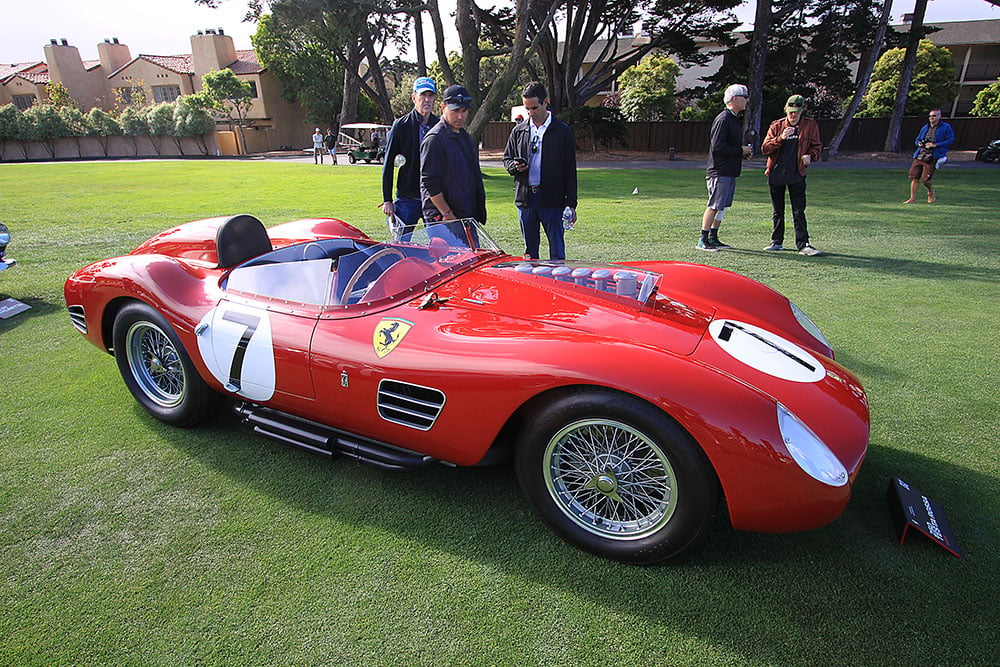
357	137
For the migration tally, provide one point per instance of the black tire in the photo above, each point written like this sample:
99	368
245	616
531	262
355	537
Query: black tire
351	158
157	369
616	477
991	156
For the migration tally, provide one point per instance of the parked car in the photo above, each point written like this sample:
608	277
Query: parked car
631	397
990	153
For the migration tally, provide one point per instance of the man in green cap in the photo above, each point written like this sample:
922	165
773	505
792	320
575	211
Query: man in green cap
791	145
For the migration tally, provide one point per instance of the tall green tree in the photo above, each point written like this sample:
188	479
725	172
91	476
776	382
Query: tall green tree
648	89
75	122
10	117
906	76
229	94
192	119
988	101
587	33
933	83
309	73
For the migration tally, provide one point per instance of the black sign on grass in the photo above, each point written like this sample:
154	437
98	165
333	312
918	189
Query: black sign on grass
910	508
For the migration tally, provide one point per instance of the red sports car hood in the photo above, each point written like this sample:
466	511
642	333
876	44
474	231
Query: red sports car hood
601	299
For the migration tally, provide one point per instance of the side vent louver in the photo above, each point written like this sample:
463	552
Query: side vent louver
409	404
78	318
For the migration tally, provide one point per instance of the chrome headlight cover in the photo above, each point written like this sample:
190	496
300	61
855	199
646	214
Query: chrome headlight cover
808	451
809	325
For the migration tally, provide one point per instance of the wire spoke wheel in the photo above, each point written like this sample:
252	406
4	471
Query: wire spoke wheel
155	364
610	479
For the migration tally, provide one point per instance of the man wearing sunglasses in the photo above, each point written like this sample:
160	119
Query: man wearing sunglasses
541	156
932	143
451	183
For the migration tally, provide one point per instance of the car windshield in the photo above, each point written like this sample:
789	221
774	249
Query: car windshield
343	272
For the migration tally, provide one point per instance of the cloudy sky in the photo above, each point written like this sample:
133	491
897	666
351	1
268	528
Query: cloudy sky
163	27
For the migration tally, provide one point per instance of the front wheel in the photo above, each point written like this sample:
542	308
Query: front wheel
157	369
614	476
351	158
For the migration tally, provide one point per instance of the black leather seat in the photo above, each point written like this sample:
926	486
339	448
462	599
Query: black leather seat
240	238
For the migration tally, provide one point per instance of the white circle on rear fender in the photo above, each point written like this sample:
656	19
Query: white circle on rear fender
766	351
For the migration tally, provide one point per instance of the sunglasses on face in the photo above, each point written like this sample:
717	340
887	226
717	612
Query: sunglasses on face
458	99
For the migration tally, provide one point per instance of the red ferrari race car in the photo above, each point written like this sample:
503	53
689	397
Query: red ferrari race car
630	396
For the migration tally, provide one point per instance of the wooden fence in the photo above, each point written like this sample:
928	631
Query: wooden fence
865	134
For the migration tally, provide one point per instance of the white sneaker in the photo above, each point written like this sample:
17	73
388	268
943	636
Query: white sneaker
774	246
809	251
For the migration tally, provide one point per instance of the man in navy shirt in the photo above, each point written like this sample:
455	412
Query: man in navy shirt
451	183
404	139
725	161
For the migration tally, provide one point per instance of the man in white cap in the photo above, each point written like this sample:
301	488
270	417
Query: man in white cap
317	147
725	161
404	139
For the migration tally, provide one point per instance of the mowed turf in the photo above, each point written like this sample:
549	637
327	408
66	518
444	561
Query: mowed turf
127	542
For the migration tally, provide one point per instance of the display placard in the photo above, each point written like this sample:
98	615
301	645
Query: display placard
11	307
912	509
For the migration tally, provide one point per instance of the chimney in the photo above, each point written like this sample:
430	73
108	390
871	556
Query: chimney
211	51
113	56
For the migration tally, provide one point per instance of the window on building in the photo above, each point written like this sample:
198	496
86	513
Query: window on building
166	93
253	89
23	102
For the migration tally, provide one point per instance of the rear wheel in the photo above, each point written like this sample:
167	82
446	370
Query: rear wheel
616	477
351	158
157	369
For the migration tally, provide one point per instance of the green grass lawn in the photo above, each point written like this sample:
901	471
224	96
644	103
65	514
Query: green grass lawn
127	542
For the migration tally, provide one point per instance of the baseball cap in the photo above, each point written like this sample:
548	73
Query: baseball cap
424	83
457	97
795	102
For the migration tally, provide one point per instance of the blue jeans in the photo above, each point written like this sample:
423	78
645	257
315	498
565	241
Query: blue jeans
533	218
409	211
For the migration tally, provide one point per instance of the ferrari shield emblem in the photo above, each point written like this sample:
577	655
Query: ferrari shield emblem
388	334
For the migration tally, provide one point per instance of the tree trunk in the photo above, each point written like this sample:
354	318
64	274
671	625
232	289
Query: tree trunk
418	40
349	103
758	60
864	78
909	62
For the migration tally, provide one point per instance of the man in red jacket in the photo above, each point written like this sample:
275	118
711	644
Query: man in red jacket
791	145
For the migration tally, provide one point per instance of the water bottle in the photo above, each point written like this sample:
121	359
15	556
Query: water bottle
567	219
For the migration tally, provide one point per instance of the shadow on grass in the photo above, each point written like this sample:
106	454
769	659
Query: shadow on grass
909	268
847	593
38	308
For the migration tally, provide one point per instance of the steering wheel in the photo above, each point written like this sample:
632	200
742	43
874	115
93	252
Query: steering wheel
365	265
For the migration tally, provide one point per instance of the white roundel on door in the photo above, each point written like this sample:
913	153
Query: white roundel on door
766	351
235	342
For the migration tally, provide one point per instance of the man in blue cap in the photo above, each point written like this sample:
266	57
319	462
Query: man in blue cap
404	139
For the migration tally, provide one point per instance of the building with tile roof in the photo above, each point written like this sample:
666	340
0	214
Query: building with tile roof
117	76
